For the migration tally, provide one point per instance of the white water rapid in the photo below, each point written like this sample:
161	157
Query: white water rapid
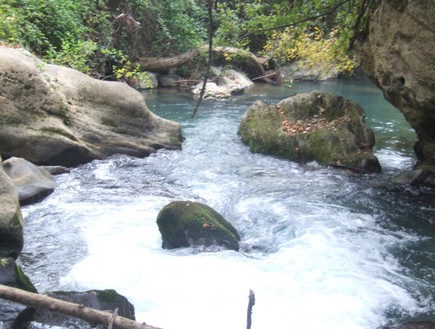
321	249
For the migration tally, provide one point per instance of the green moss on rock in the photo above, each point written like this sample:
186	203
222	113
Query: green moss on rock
12	275
187	223
316	126
23	281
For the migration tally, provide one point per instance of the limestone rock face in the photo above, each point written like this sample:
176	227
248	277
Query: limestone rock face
53	115
11	220
187	223
399	55
31	182
309	127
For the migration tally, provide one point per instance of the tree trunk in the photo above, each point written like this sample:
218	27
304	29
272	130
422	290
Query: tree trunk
79	311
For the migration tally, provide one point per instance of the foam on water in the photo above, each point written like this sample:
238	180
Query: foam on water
328	276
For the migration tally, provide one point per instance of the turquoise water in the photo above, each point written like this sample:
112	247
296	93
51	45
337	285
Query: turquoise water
320	248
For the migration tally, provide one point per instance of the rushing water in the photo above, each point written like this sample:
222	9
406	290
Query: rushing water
320	248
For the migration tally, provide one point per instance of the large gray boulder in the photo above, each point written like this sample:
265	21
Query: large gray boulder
53	115
309	127
188	223
398	53
31	182
11	220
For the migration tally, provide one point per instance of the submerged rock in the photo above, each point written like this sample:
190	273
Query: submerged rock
31	182
419	177
11	220
309	127
412	325
53	115
187	223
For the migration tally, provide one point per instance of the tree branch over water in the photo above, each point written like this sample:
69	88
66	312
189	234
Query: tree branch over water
311	18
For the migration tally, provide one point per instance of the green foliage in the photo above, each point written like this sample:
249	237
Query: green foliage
9	16
40	24
88	35
231	27
77	54
317	31
313	48
125	70
179	21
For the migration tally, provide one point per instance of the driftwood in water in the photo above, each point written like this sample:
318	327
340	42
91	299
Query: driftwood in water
251	63
79	311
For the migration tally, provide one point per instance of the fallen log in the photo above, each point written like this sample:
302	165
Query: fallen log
88	314
159	64
249	61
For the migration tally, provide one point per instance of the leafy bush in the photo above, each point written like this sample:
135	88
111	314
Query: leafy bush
88	35
41	24
318	31
9	17
312	47
77	54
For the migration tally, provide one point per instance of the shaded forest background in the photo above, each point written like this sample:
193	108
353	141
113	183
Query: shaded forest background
106	38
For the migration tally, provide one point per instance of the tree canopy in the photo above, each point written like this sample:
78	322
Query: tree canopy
103	38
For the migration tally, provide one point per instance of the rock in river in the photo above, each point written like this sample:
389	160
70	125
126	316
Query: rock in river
187	223
31	182
309	127
54	115
11	220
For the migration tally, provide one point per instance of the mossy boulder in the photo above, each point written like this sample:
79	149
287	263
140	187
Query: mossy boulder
188	223
309	127
11	220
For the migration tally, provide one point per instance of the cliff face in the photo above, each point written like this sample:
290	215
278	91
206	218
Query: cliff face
398	54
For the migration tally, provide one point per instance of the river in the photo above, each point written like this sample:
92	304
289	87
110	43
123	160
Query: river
321	248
